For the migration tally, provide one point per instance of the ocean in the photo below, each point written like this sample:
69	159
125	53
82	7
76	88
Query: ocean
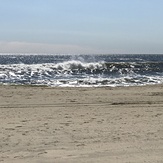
81	70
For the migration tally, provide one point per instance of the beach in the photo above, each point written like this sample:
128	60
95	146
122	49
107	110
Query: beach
40	124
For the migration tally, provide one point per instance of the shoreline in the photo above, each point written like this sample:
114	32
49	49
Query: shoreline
73	86
81	124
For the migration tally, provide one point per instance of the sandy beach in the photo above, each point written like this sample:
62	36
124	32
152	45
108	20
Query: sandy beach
79	125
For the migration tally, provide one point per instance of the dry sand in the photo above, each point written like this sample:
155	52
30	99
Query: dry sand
81	125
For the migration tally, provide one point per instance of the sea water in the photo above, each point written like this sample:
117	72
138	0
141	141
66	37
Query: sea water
81	70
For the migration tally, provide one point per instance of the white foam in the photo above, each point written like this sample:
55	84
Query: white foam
62	74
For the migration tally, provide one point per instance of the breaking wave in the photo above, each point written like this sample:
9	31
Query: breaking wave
80	73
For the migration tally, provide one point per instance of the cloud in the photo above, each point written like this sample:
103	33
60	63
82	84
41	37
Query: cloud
25	47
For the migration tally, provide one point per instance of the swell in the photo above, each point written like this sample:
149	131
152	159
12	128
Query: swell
136	67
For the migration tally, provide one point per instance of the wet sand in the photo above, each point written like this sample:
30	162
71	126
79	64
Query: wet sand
79	125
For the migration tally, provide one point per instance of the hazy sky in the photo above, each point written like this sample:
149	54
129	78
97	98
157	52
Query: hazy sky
81	26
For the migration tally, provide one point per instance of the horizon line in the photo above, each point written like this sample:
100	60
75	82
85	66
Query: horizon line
33	53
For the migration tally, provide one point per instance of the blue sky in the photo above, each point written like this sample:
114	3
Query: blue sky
81	26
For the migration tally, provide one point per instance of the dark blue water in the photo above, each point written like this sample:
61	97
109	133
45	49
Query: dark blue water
81	70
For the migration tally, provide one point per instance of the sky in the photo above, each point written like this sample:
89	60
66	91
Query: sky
81	26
